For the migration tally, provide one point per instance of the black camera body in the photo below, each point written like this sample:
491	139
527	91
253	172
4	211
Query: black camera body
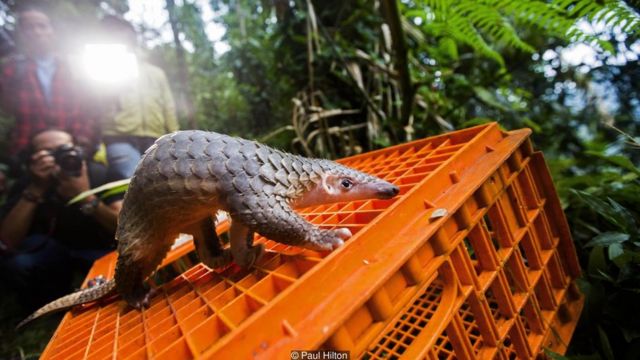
69	158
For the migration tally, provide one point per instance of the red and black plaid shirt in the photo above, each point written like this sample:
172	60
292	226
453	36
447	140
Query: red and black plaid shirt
23	98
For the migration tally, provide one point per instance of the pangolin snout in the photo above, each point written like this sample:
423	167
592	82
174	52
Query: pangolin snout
387	191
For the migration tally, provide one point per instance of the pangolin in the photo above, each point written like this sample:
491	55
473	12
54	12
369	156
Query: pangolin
187	176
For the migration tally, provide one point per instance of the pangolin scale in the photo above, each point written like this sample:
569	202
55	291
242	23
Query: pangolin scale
187	176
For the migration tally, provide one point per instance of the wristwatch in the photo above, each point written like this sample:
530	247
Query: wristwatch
90	207
31	197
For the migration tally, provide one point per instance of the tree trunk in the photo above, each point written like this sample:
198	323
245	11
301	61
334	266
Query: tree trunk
391	14
183	77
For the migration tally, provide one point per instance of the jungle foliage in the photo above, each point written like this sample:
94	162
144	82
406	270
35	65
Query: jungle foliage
333	78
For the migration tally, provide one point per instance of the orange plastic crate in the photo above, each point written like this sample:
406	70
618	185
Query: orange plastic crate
473	260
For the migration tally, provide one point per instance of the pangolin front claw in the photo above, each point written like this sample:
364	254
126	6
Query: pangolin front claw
343	233
331	240
221	261
141	299
251	256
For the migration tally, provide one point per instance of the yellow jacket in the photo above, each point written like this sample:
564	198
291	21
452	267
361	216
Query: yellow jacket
144	108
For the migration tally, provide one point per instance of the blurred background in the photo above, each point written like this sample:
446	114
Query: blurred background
336	78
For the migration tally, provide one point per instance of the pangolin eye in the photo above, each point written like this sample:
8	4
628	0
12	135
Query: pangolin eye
346	183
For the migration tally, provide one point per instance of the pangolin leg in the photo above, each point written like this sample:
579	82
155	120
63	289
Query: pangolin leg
244	252
277	221
135	291
208	246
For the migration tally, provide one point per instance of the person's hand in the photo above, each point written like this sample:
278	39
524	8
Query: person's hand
42	167
70	186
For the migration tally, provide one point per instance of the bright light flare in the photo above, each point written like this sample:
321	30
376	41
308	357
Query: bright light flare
109	63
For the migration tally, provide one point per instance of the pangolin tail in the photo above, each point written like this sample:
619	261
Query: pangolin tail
76	298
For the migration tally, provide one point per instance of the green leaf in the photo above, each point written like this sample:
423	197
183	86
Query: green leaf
532	124
116	190
623	215
605	344
489	98
608	238
554	355
588	226
615	251
476	121
604	276
630	333
619	160
622	261
611	211
107	186
448	47
597	261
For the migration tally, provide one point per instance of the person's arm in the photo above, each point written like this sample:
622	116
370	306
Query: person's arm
105	214
16	224
17	221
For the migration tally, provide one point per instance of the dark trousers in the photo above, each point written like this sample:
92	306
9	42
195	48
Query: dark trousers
42	269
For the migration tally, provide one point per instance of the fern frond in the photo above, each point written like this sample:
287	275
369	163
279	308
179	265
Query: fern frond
491	22
617	13
558	18
464	32
471	22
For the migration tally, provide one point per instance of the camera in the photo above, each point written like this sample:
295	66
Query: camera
69	158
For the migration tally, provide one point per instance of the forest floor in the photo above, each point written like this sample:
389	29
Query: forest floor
30	341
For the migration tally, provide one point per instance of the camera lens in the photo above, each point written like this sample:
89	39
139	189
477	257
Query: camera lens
70	162
69	158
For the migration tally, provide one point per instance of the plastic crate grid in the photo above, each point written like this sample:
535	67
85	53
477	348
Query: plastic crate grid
507	263
493	260
404	167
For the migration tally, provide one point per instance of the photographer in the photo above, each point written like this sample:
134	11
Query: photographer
38	87
43	239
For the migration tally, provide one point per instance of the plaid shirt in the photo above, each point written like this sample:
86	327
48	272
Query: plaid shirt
22	97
